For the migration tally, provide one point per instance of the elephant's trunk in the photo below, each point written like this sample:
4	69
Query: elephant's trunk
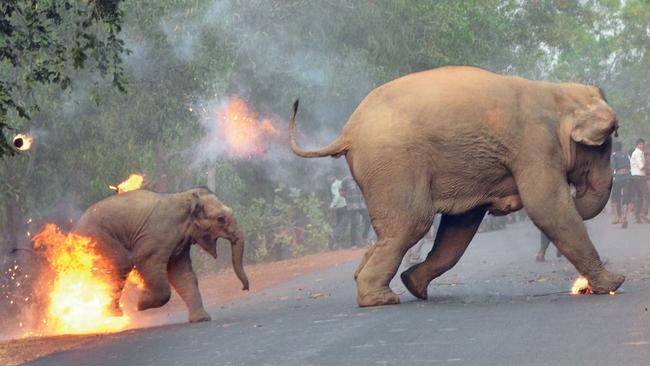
592	201
237	243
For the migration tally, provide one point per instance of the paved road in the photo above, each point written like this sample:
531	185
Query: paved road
497	307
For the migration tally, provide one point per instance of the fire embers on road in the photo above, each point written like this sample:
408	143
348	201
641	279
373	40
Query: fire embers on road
581	287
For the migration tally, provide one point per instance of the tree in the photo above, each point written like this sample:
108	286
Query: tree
45	42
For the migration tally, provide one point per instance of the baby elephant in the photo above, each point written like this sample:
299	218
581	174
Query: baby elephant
153	233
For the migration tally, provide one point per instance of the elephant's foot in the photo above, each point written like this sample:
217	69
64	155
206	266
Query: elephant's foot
605	282
200	316
150	300
416	288
384	296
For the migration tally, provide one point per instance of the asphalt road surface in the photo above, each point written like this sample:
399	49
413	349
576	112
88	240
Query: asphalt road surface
496	307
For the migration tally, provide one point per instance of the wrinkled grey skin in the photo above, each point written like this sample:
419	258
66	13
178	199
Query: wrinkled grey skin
153	232
463	141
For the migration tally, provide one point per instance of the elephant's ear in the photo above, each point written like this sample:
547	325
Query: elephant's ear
567	144
594	125
196	208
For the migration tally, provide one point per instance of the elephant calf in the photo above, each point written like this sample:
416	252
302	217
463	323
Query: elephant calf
463	141
153	232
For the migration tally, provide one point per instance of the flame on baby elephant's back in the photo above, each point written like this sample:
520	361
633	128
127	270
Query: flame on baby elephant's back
243	132
133	182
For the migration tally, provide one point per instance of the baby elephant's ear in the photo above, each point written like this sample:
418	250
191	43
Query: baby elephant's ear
594	125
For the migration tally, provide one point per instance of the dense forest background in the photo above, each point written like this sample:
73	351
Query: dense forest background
139	91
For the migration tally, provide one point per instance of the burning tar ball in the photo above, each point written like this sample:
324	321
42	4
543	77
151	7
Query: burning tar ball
22	142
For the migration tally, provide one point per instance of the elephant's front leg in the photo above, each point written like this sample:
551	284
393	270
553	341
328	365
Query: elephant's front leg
453	237
183	279
547	198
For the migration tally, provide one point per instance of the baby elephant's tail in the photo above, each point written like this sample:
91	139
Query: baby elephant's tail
335	149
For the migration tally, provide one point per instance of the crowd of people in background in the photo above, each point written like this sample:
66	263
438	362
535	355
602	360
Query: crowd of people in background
350	218
630	189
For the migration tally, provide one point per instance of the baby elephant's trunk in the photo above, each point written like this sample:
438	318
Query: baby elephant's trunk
237	243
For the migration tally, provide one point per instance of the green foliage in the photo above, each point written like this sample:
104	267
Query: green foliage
44	42
290	224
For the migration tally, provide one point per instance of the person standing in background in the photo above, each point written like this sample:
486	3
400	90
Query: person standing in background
621	184
356	210
338	206
639	183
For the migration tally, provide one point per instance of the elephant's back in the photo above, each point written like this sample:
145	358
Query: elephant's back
431	103
116	213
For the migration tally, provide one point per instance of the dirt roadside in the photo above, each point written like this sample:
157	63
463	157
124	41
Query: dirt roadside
216	289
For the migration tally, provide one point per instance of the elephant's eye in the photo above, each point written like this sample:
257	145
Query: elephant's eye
221	219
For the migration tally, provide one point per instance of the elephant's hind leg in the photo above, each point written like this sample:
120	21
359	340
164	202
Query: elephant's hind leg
400	216
183	279
453	237
117	266
156	291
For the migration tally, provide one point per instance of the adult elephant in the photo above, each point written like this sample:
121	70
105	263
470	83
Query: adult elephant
463	141
153	233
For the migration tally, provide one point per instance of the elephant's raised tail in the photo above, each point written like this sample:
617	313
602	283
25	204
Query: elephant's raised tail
335	149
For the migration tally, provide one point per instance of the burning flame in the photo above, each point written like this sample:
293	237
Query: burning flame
581	286
80	293
23	142
244	133
133	182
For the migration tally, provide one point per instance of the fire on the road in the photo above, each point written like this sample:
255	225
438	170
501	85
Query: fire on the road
80	292
581	286
244	133
133	182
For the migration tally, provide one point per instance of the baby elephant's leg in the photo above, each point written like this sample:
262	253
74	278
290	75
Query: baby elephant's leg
116	268
156	291
183	279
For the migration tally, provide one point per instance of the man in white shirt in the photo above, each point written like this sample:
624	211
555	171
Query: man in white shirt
639	182
338	205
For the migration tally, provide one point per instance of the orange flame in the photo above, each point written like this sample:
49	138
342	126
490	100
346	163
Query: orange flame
80	293
135	278
242	130
581	286
133	182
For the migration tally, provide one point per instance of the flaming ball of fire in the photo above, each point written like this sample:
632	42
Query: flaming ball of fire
133	182
581	287
242	130
22	142
80	293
